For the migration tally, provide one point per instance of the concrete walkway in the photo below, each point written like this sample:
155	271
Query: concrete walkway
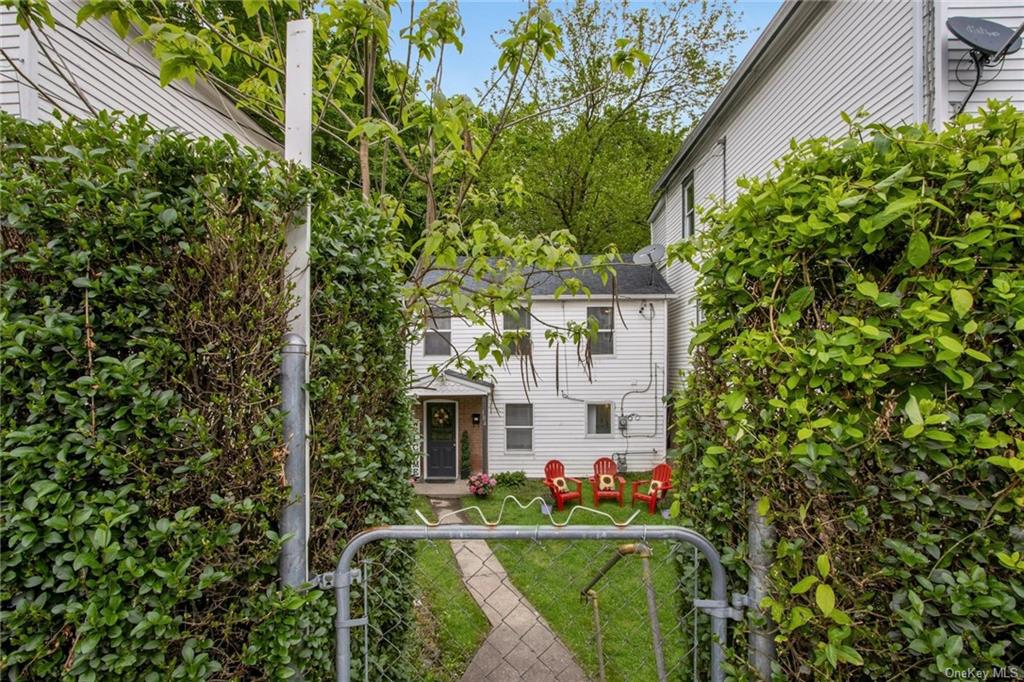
520	646
446	490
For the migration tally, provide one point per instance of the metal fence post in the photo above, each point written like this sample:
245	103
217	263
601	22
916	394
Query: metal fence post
293	561
760	537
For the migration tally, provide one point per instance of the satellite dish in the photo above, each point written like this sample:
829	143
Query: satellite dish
649	255
987	37
989	42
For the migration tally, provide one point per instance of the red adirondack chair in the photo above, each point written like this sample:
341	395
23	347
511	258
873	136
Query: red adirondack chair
558	483
603	468
657	485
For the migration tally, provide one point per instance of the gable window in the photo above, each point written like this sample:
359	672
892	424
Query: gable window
515	321
438	339
599	419
519	427
689	209
604	342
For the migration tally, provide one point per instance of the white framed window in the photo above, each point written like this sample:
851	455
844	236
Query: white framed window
438	338
515	321
698	313
599	419
604	342
689	208
519	426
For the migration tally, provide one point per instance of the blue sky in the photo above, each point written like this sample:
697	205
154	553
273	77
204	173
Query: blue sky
482	18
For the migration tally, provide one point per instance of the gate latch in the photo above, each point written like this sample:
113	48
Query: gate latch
327	581
721	608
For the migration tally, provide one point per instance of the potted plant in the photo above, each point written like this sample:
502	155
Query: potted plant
481	485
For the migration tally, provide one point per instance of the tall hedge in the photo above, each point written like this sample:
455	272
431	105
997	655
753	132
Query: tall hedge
859	380
142	317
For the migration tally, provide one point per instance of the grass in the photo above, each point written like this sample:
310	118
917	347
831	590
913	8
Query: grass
552	574
450	626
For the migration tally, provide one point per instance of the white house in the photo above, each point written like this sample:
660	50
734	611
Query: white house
896	60
512	424
71	68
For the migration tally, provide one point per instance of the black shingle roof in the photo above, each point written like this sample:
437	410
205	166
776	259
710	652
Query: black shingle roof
631	279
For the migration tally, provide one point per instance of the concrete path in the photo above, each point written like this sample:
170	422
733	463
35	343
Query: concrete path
521	646
441	490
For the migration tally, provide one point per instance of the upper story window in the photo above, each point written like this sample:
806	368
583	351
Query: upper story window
438	339
515	321
604	342
689	208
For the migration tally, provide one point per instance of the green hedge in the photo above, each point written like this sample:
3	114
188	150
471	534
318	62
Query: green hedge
141	440
860	378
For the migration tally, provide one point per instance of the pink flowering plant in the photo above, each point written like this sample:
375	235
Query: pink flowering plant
481	485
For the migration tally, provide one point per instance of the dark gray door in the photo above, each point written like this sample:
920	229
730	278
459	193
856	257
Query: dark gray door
440	440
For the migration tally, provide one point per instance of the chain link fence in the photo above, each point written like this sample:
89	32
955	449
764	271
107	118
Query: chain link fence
530	603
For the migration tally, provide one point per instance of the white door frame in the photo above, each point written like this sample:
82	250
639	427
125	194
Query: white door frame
423	437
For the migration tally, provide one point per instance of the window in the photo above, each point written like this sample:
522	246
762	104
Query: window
689	209
519	427
519	319
438	339
603	343
698	313
599	419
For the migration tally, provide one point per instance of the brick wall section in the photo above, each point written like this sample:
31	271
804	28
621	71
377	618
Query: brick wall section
467	406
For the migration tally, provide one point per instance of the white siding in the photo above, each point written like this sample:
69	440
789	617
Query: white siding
1007	83
122	75
10	39
831	63
559	413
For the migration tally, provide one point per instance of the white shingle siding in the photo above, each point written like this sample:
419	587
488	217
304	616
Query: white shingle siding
122	75
842	56
559	423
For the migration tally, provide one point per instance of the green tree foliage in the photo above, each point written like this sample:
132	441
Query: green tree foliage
593	180
141	439
605	116
858	380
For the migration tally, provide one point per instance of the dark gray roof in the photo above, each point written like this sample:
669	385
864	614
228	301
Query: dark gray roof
631	279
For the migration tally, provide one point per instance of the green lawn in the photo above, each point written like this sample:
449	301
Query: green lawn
551	575
450	626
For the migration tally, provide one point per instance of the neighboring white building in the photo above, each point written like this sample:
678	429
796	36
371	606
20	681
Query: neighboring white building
512	424
91	60
895	60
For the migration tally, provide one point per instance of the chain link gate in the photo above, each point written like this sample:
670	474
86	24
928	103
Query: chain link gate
560	602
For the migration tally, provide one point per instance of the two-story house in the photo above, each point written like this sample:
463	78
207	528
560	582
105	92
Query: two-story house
520	417
896	60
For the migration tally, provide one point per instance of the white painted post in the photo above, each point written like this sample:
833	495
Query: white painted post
297	149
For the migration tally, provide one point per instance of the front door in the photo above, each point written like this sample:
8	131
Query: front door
440	429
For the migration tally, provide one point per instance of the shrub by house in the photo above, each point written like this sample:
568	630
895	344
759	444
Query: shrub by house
859	379
143	310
